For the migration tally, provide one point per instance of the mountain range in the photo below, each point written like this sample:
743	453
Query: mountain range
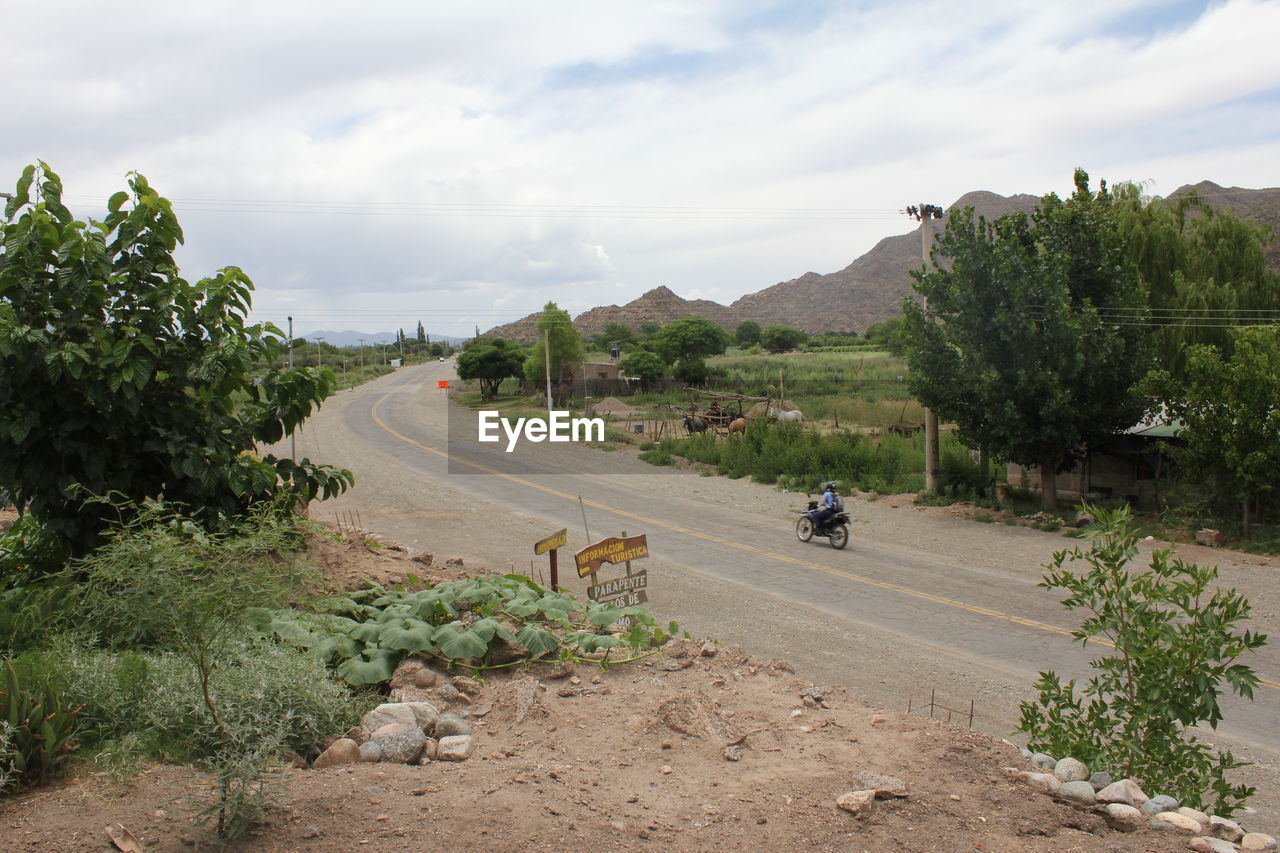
868	290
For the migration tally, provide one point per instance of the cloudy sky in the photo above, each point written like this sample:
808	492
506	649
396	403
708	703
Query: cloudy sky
377	163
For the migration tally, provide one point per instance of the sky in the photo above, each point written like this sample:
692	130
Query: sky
378	164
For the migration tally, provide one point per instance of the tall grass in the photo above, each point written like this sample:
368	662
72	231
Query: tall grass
801	460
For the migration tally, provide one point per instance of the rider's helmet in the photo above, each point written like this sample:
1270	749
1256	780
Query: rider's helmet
831	486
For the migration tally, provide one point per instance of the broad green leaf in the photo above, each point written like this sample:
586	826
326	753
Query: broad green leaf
537	640
459	644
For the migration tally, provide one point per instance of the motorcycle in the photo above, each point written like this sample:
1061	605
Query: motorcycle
835	528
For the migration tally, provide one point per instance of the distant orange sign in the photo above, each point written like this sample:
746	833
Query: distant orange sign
442	383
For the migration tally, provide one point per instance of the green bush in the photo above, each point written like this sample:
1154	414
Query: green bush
39	729
1176	647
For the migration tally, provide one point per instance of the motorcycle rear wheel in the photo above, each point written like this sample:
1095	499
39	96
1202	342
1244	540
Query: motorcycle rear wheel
839	535
804	529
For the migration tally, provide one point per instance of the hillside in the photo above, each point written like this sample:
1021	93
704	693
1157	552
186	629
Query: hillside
869	289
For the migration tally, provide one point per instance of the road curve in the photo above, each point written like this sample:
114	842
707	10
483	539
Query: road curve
918	604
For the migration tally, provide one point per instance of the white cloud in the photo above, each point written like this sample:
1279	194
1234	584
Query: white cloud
480	158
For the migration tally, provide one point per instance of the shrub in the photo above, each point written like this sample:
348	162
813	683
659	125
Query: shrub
39	729
1175	648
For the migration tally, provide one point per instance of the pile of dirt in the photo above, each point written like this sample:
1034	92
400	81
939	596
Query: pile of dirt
615	408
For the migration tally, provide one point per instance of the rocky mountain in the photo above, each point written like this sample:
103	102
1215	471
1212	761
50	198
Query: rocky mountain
871	288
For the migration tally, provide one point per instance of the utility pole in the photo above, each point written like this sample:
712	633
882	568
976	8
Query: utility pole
293	438
546	344
319	352
925	214
361	340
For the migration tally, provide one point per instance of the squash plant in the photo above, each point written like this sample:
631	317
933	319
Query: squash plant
364	635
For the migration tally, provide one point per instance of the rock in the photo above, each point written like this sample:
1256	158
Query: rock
1159	803
1207	844
1100	780
1024	752
1179	821
447	693
1225	828
343	751
1084	519
1071	770
1046	782
389	712
886	787
1122	817
1042	761
1212	538
424	715
708	650
1196	815
1257	841
423	557
403	745
860	804
453	563
448	725
430	748
407	672
424	678
466	685
1078	791
1125	791
371	751
455	748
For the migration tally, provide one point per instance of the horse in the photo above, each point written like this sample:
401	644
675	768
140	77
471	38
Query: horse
795	416
738	425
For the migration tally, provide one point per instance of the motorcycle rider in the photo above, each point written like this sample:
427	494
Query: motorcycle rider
830	505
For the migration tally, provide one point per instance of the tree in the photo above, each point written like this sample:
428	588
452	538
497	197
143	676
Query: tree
645	366
1176	643
422	333
118	375
490	362
887	335
779	338
747	334
567	351
1028	360
690	339
616	334
1227	408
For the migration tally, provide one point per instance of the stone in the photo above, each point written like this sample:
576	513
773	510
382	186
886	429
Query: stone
860	804
1100	780
886	787
447	693
1257	841
1125	791
1159	803
1196	815
1078	791
1071	770
429	750
1225	828
424	714
1084	519
402	745
386	713
1024	752
371	751
1045	782
343	751
424	678
407	672
1209	536
1179	822
466	685
708	650
1207	844
1122	817
450	724
1042	761
455	748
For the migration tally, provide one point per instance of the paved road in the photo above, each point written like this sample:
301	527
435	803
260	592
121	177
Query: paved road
915	604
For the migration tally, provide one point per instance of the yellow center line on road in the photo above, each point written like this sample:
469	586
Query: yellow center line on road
884	585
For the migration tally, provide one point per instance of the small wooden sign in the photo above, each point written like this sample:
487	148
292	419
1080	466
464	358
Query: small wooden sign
606	590
615	549
555	540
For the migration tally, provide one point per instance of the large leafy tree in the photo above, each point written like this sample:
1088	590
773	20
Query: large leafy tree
491	362
118	376
645	366
1227	408
779	338
687	342
1019	346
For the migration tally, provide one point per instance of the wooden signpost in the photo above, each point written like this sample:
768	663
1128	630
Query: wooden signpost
552	544
626	591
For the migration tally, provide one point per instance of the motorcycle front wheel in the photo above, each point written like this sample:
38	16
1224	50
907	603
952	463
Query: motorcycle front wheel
804	529
839	536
